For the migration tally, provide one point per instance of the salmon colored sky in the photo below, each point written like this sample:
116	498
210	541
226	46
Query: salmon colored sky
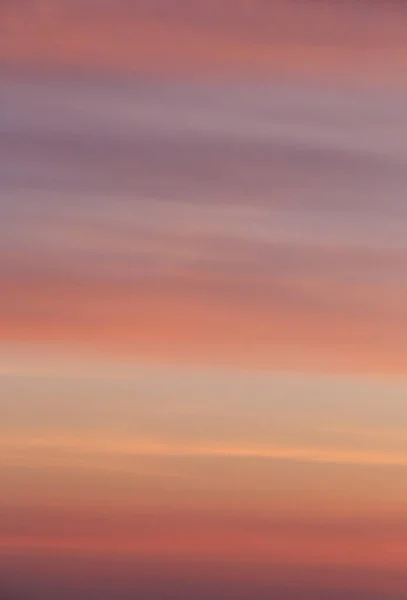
203	322
227	37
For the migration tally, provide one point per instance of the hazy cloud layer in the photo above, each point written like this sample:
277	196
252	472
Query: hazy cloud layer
363	40
149	225
267	195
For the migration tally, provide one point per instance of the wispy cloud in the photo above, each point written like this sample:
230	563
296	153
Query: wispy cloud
76	451
285	201
228	36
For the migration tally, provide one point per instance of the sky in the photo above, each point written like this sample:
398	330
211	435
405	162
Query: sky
203	309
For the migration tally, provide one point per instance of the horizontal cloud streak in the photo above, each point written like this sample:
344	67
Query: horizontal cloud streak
23	451
367	40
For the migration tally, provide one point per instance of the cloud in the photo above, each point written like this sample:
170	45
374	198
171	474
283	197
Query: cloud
220	36
108	577
261	219
80	451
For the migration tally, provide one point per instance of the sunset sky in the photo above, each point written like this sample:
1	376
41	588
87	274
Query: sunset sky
203	302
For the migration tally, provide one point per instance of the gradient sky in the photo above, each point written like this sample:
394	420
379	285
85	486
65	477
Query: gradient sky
203	309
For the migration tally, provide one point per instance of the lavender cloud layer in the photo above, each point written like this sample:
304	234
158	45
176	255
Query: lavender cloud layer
252	222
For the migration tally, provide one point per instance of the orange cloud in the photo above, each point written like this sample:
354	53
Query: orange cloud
92	451
177	321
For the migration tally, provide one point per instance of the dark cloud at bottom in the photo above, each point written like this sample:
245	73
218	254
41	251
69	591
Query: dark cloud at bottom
104	579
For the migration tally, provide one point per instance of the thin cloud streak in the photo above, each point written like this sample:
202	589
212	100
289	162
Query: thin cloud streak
25	449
